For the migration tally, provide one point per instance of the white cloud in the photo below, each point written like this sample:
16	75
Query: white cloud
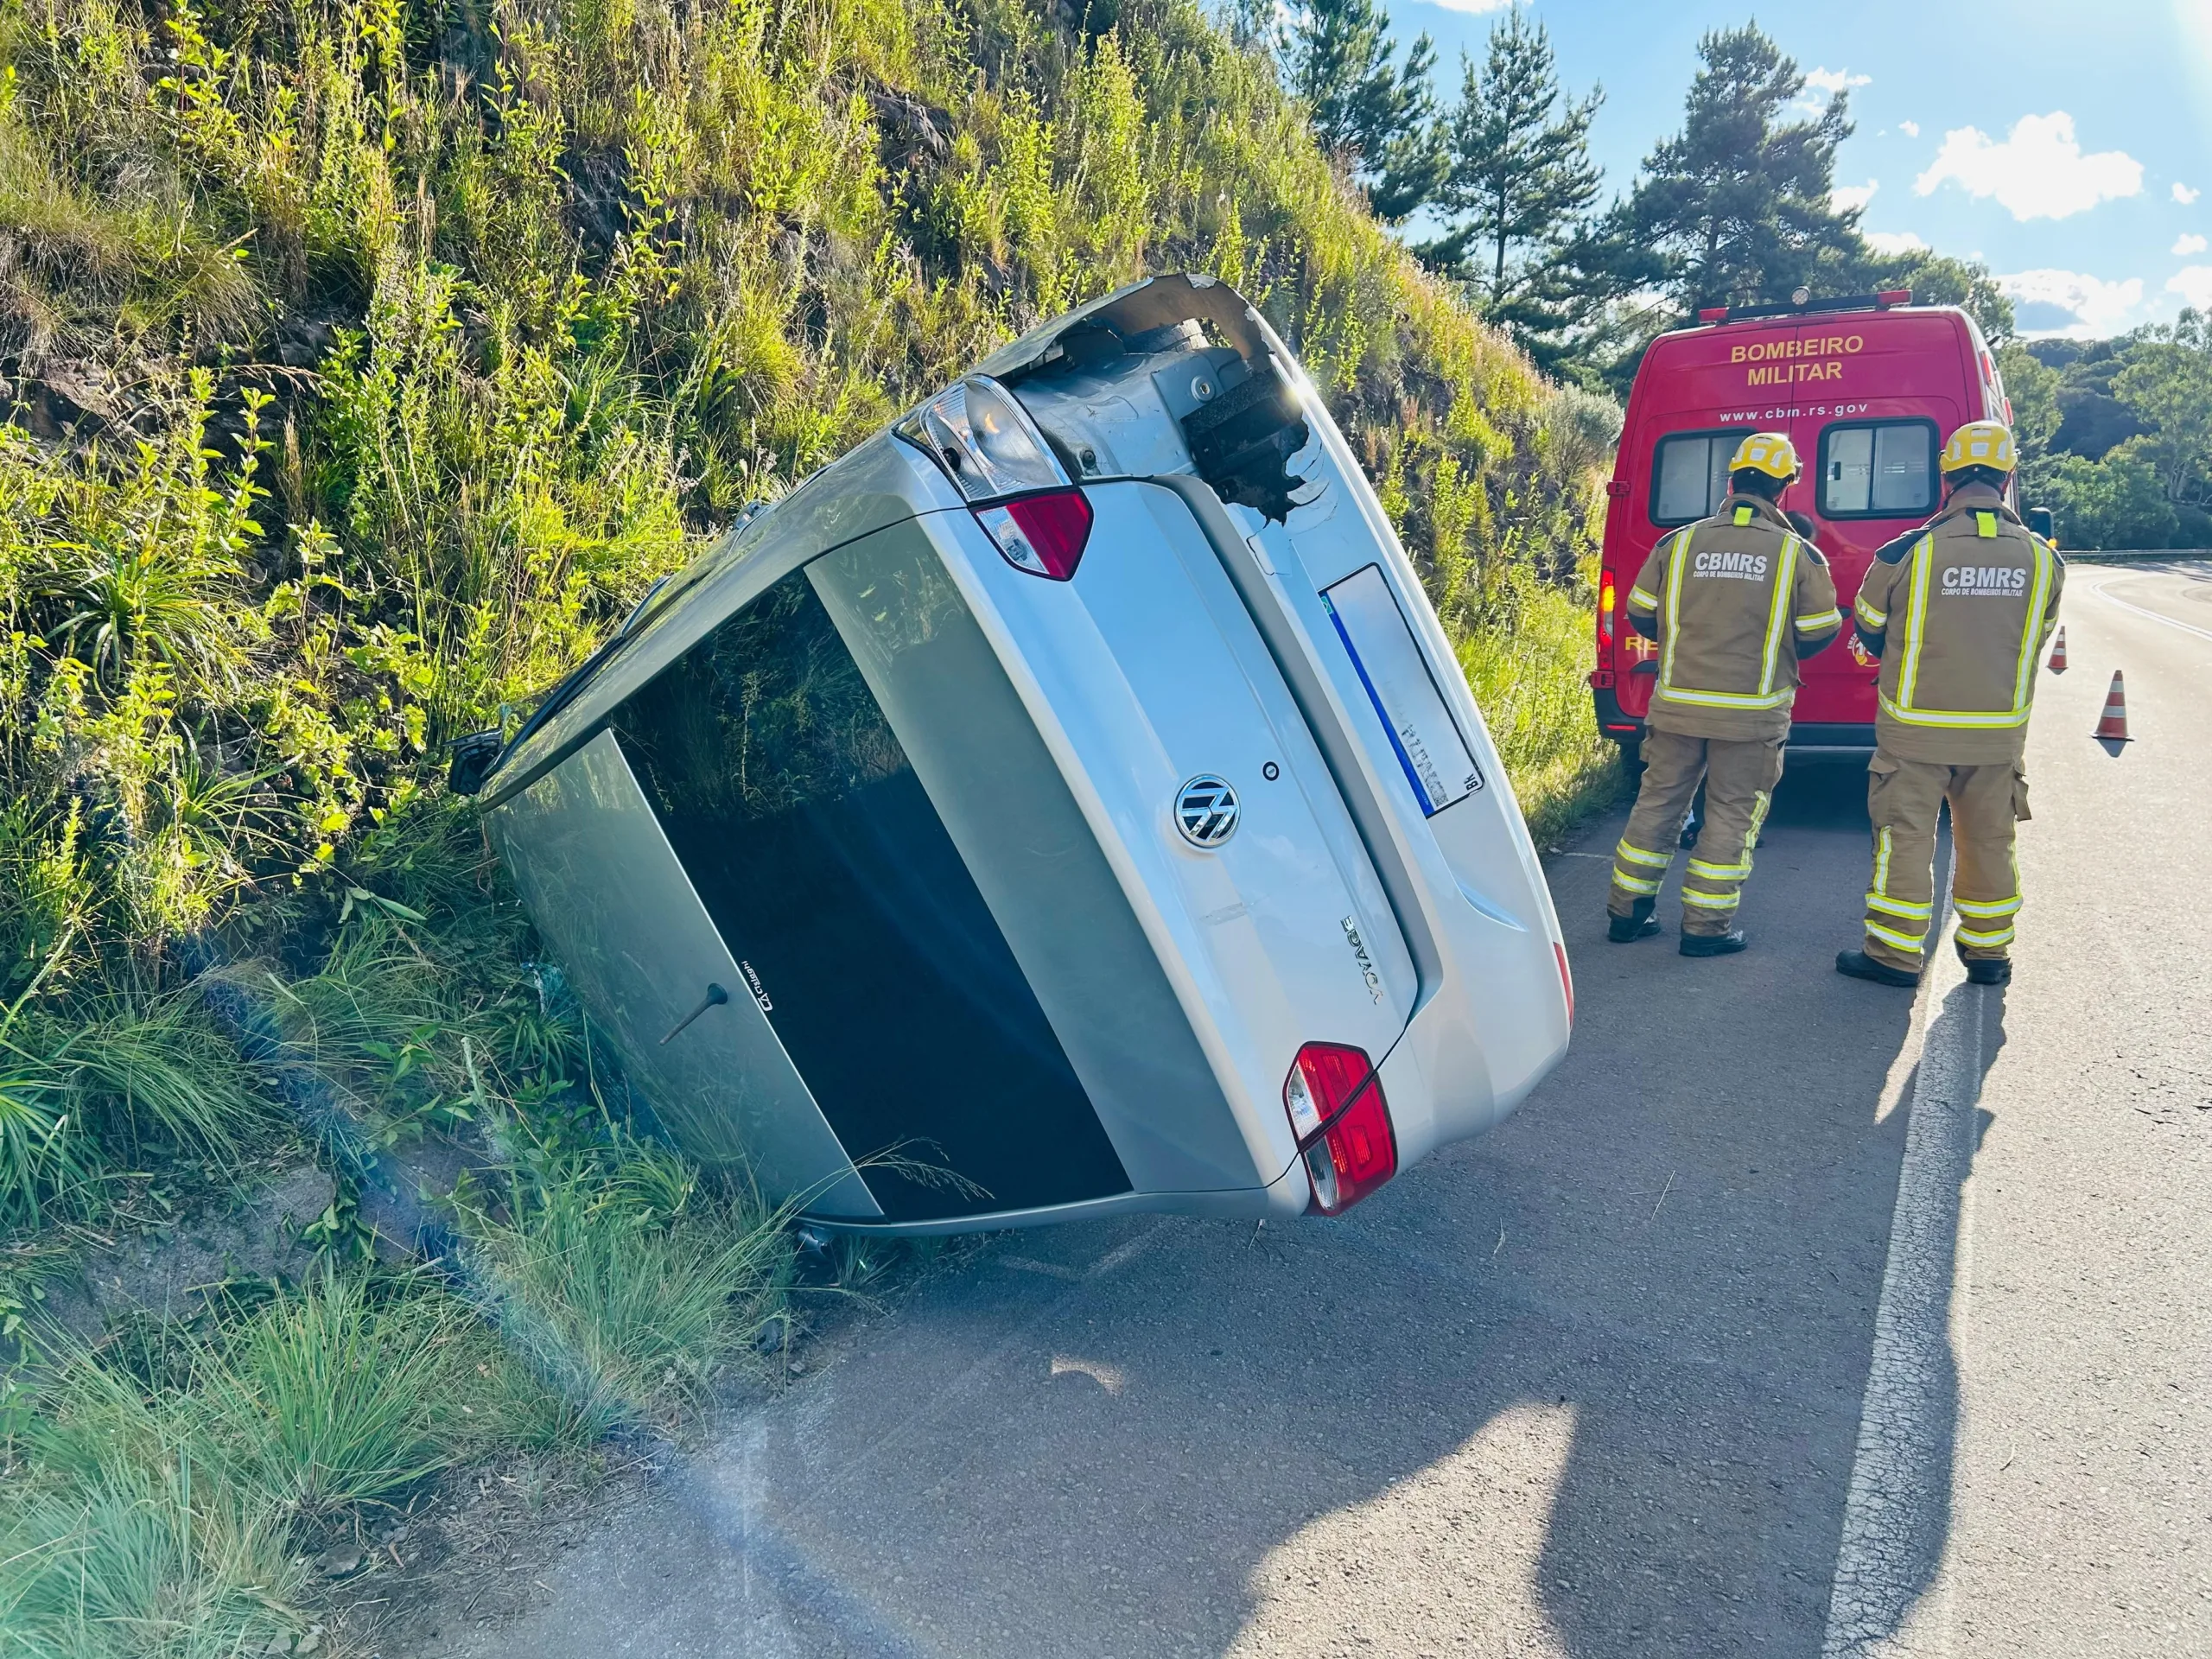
2183	194
1845	197
1894	243
2193	284
2189	243
1911	129
2069	305
1836	80
1475	6
2037	172
1822	85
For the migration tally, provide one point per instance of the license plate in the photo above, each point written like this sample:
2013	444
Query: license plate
1401	689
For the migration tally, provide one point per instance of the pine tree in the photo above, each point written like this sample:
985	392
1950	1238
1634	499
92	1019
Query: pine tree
1339	59
1736	207
1522	176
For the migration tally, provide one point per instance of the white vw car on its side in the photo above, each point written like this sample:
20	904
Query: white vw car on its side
1070	789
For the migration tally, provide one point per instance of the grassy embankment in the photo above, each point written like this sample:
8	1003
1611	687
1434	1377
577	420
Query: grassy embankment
367	359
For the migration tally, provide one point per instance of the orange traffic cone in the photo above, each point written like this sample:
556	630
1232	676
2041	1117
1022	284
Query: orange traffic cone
2058	653
2114	724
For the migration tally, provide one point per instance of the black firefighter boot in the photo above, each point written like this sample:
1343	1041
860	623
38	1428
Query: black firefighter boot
1714	944
1985	970
1860	966
1638	923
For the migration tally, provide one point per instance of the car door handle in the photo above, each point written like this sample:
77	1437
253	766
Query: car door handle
714	998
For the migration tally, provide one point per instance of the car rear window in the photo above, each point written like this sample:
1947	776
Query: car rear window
1877	469
1689	476
794	809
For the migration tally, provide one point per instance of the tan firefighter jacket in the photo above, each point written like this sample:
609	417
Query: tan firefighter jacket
1958	611
1733	601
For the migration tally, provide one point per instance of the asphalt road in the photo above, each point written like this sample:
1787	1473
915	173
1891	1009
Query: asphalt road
1793	1315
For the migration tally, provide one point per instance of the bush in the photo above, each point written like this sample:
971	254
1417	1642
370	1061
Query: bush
2119	501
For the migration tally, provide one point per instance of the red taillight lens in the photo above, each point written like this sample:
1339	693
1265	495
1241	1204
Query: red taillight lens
1343	1125
1566	979
1608	597
1041	534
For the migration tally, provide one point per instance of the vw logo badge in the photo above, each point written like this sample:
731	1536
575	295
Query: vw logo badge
1205	810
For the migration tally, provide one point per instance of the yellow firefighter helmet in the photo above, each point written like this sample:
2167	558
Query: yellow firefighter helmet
1980	443
1766	452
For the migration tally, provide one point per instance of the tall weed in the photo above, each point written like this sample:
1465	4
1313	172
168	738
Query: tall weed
334	1396
129	1538
625	1296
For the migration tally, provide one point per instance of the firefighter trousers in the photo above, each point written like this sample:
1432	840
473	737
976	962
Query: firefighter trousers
1904	798
1740	778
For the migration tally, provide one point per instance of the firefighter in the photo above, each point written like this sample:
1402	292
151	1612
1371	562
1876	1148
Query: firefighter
1957	611
1734	603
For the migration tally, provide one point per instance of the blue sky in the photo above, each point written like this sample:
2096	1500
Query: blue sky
2069	145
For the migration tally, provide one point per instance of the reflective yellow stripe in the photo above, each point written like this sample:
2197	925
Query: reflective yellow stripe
1728	699
1984	525
1882	862
2024	676
1916	617
1642	600
1869	615
1904	907
1902	941
1634	884
1785	584
2001	936
1952	717
1672	628
1743	515
1720	872
1986	910
1830	617
1711	900
1638	856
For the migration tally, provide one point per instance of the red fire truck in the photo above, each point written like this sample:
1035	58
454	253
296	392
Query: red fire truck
1867	389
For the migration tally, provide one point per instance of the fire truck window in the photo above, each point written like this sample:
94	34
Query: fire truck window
1693	473
1881	470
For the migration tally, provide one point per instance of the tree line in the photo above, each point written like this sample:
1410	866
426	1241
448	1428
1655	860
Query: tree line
2116	435
1736	208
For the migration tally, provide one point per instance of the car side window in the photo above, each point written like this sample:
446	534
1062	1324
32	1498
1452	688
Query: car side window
1877	469
1689	476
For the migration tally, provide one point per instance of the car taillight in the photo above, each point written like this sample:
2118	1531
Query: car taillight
1041	534
1337	1111
1608	596
1566	979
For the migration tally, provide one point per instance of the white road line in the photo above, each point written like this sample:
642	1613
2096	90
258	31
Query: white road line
1886	1602
2098	588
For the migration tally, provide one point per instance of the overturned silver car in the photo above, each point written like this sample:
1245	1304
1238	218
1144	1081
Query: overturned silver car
1071	789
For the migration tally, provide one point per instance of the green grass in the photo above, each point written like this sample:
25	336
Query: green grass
626	1296
1529	673
334	1398
129	1534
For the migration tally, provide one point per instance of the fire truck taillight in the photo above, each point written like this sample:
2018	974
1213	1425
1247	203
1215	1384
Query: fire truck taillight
1608	597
